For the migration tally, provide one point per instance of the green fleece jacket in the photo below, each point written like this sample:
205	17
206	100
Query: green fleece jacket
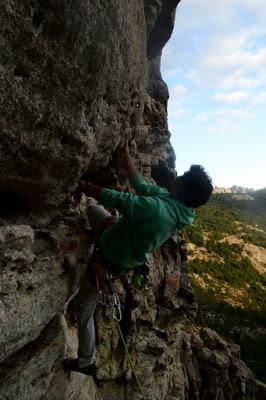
148	219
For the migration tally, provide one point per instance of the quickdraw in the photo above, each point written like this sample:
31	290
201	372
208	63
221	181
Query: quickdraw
109	299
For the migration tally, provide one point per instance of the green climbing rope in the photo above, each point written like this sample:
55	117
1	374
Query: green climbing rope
130	361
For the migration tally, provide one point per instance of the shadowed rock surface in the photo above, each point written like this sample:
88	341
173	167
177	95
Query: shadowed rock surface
78	79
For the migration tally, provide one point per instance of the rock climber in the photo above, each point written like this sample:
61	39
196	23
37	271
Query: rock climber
148	219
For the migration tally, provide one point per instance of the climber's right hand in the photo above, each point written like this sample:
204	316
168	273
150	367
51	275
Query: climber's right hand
126	164
89	189
122	154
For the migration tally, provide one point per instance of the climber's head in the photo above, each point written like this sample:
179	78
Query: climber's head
194	188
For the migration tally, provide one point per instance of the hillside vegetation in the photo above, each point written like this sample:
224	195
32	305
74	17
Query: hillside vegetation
227	258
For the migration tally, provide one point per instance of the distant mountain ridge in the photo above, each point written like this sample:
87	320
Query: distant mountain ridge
241	189
233	189
247	211
227	260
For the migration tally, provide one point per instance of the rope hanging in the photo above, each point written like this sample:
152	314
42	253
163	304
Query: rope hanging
130	361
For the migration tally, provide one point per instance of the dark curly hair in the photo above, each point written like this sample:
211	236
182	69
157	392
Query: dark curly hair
196	187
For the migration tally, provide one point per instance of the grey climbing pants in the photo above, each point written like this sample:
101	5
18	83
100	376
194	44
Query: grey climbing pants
85	300
85	305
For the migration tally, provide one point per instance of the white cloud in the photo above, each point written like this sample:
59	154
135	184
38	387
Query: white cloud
256	7
219	47
172	73
178	93
195	15
227	115
175	112
201	117
175	128
231	97
219	130
194	76
260	98
227	121
232	44
237	80
235	60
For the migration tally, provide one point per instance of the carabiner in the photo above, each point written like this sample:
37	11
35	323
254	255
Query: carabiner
117	314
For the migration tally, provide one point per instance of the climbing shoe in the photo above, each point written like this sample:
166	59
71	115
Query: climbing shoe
71	364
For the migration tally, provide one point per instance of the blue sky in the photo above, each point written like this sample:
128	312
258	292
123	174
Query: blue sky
215	68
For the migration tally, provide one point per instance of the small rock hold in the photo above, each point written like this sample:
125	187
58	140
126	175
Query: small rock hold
15	256
14	232
196	342
213	340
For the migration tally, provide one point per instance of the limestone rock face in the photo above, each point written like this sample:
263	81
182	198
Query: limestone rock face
78	79
33	287
28	373
71	77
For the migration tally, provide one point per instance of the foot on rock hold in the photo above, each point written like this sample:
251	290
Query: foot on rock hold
71	364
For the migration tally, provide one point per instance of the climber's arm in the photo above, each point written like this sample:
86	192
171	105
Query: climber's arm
90	190
122	201
141	186
126	162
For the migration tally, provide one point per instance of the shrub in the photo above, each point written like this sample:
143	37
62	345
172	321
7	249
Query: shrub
195	236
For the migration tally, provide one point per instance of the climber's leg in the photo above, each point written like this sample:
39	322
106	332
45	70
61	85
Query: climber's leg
97	215
85	304
72	249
